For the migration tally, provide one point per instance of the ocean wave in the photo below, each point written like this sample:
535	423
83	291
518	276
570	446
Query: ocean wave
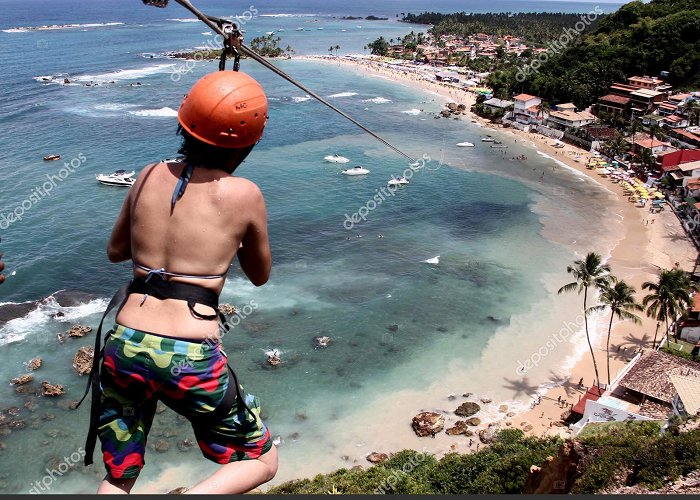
126	74
19	329
185	20
54	27
413	111
377	100
343	94
155	113
301	99
289	15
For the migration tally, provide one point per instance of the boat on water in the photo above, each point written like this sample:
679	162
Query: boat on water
488	138
336	158
118	178
300	29
359	170
398	181
52	157
465	144
500	146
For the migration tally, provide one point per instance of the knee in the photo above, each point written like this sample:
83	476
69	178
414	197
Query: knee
271	464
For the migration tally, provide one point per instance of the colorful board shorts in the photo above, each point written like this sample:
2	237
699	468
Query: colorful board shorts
191	377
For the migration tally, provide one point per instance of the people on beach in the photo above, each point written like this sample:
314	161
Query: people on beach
182	224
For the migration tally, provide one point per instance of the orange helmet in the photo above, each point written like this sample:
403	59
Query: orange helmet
227	109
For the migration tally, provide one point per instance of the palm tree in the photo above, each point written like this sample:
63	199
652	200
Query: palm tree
330	49
656	132
669	296
634	127
587	273
542	108
619	297
337	48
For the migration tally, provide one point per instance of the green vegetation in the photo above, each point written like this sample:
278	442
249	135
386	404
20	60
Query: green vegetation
630	452
379	47
536	28
501	468
268	46
639	39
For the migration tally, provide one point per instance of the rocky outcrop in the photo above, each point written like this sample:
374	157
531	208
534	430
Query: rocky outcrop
557	474
474	421
322	341
51	390
79	331
34	364
377	457
22	379
82	361
487	436
460	428
467	409
428	423
503	409
227	309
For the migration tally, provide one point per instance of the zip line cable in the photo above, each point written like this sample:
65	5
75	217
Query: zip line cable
218	24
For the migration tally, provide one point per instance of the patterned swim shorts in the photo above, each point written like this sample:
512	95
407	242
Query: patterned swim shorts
191	377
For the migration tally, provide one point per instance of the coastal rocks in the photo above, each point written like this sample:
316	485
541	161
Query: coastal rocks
82	361
161	446
428	423
527	428
34	364
557	474
227	309
467	409
474	421
377	457
185	445
486	436
79	331
51	390
503	408
321	342
510	414
273	357
22	379
486	400
460	428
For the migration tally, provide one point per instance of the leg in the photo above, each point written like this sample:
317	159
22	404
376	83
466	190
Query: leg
111	486
239	477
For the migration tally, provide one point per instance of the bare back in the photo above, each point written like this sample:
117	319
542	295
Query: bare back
217	214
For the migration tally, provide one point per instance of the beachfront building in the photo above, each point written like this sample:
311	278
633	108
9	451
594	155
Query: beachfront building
644	101
498	106
687	137
645	386
643	142
614	103
687	400
566	118
525	109
649	83
668	161
689	326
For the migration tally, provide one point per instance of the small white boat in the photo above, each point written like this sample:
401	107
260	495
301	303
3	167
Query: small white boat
359	170
118	178
465	144
398	181
300	29
269	33
336	159
488	138
52	157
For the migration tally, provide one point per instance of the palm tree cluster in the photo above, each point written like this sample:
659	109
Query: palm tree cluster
668	298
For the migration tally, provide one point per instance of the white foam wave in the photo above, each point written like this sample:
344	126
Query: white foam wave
127	74
377	100
301	99
343	94
20	328
288	15
155	113
185	20
54	27
413	112
434	260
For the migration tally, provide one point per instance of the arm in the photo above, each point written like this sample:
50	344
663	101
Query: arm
254	254
119	246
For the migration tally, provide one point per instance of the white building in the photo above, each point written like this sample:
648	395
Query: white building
525	110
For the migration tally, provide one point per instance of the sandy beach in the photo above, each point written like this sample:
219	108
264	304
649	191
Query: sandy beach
650	241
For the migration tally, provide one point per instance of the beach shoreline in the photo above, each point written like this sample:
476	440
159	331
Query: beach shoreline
648	242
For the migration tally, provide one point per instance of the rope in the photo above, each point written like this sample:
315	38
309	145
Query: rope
216	25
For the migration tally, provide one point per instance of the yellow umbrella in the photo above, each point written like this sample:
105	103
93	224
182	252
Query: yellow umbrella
659	195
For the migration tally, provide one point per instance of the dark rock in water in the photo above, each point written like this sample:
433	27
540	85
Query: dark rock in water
227	309
161	446
169	433
34	364
17	425
8	312
48	417
451	397
58	315
486	400
5	431
72	298
321	342
393	328
460	427
82	361
467	394
30	405
79	331
24	389
377	457
428	423
487	435
301	417
442	329
51	390
14	411
294	436
473	421
467	409
22	379
52	433
185	445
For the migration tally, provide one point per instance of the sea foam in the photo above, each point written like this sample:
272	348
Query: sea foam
155	113
343	94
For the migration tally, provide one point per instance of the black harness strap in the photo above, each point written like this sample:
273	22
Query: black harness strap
161	289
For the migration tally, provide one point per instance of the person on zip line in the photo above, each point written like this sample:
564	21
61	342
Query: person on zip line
181	224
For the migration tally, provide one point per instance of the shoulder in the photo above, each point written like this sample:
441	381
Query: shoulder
244	189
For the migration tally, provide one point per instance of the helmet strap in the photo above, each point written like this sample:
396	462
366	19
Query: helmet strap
181	184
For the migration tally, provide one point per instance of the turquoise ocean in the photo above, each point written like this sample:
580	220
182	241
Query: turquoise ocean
497	232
